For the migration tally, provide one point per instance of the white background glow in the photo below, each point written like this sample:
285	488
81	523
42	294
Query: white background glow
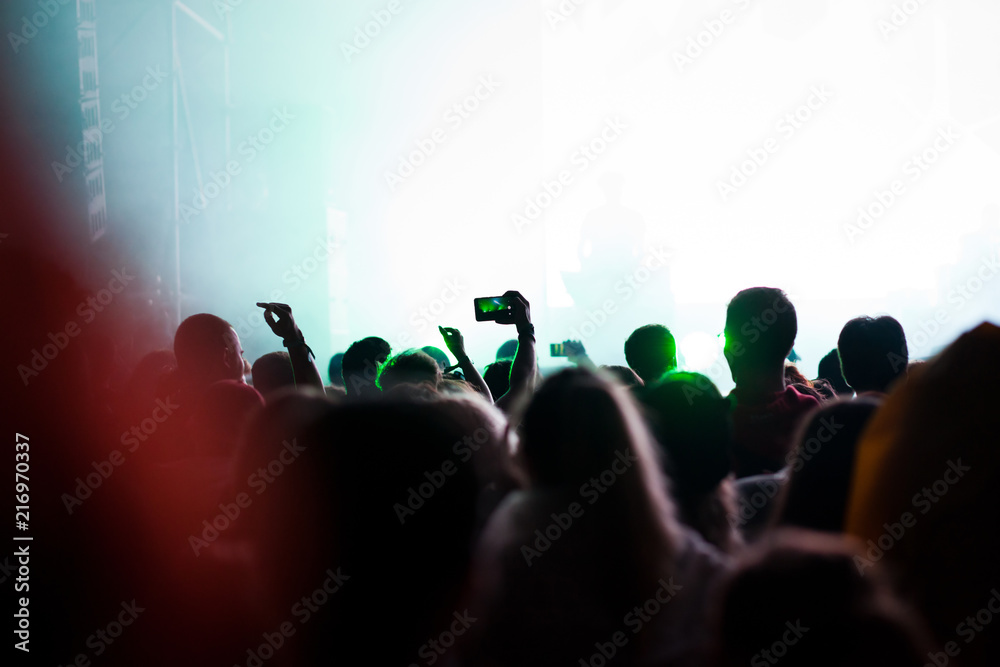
891	89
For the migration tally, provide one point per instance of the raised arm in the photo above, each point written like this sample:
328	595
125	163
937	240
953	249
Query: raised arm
522	369
576	354
456	345
279	317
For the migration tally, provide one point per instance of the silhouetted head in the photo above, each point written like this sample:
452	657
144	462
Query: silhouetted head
272	372
829	370
411	367
820	467
335	370
575	427
348	502
360	366
800	600
624	375
583	437
690	420
651	351
507	351
438	355
760	331
497	377
926	468
208	350
873	353
580	427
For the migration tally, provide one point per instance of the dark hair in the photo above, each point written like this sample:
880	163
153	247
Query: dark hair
497	377
821	465
271	372
824	389
410	367
761	325
507	351
438	355
198	341
803	590
872	353
335	370
360	365
346	504
579	427
575	426
624	375
651	351
690	420
829	370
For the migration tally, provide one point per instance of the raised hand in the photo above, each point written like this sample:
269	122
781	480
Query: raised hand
456	345
521	312
279	317
574	349
454	341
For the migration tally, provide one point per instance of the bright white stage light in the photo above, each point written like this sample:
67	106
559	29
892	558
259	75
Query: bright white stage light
698	351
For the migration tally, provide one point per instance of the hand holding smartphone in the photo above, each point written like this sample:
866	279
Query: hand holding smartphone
494	308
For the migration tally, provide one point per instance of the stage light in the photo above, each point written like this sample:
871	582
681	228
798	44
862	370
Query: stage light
698	351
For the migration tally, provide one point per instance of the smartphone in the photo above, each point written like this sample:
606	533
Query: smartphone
494	308
557	350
